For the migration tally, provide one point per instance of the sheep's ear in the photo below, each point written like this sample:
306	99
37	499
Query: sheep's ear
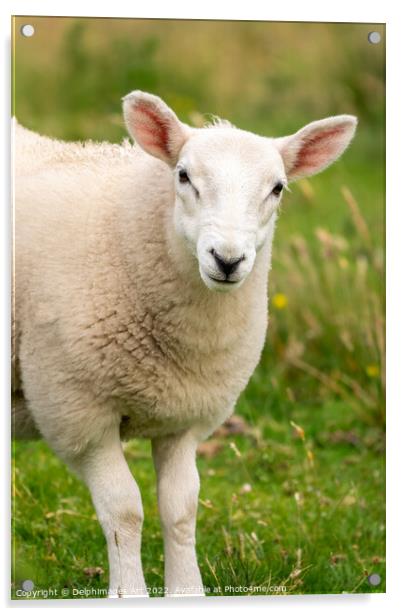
316	146
154	126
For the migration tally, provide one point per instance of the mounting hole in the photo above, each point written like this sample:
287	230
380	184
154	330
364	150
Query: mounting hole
27	30
374	38
374	579
28	585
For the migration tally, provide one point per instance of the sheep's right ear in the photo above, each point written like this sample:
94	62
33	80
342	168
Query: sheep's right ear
154	126
316	146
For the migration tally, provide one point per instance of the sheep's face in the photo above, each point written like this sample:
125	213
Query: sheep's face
228	185
229	182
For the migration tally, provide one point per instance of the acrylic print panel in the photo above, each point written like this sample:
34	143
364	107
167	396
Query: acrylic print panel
140	308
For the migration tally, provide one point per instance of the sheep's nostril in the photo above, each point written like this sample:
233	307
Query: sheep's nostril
226	266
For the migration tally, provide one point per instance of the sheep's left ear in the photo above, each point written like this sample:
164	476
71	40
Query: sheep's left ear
154	126
316	146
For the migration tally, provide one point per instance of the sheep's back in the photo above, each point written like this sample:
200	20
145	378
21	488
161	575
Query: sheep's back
59	189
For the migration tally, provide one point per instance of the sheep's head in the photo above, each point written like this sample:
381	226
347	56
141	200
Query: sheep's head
229	182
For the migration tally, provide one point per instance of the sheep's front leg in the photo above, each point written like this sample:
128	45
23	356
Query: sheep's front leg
117	501
178	487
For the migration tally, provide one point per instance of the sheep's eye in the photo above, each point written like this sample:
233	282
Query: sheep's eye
183	177
277	189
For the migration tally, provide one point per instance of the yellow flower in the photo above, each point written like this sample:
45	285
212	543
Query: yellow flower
280	301
372	371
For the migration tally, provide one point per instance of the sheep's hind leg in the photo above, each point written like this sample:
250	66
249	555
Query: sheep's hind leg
178	487
117	501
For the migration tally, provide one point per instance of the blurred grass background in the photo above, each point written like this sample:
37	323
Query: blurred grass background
296	493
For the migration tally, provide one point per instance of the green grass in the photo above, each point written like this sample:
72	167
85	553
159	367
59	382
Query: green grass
314	518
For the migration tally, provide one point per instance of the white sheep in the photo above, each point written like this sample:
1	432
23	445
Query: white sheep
141	304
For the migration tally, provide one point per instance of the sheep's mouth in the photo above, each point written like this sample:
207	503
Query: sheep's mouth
219	285
223	281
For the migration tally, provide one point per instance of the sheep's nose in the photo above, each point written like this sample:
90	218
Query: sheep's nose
226	266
